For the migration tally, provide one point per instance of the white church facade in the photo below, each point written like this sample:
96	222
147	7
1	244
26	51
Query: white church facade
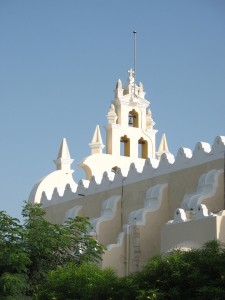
140	201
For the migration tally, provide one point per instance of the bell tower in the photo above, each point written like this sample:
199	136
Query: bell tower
130	133
130	130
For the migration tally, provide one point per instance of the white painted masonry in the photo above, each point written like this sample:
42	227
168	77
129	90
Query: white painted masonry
139	204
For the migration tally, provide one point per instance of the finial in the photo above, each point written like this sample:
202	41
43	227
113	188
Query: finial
163	147
96	144
149	120
141	90
119	89
131	78
112	108
119	84
63	160
112	116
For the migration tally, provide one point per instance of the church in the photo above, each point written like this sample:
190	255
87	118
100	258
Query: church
141	201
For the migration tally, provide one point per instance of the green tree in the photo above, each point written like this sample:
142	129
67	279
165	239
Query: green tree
85	282
196	274
14	261
51	245
29	251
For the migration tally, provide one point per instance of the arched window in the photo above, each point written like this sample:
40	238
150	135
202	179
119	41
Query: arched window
125	146
133	118
142	148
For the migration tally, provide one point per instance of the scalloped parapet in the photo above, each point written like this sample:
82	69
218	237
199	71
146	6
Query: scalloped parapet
218	145
53	185
202	153
183	155
202	147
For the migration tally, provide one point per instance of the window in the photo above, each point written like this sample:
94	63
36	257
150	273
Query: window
125	146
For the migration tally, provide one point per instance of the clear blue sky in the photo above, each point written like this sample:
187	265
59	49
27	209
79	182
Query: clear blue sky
59	63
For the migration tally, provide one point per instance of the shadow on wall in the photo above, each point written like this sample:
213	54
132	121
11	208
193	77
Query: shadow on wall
221	229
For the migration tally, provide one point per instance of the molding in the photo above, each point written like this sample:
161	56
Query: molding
108	212
73	212
207	187
152	202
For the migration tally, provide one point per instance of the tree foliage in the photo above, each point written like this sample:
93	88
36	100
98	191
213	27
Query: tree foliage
14	261
86	282
51	261
29	251
196	274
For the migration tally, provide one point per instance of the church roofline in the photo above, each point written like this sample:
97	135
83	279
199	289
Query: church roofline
185	158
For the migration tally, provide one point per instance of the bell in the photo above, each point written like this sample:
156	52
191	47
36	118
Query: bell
130	121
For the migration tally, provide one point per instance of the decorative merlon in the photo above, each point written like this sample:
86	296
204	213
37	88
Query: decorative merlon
202	212
179	216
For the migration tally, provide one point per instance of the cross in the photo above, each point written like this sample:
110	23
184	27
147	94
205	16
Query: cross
130	71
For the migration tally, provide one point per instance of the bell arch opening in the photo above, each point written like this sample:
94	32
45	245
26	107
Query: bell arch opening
124	146
142	148
133	118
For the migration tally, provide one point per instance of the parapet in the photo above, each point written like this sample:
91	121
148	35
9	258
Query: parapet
185	158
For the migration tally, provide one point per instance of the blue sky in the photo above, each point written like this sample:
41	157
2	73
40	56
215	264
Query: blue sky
59	63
